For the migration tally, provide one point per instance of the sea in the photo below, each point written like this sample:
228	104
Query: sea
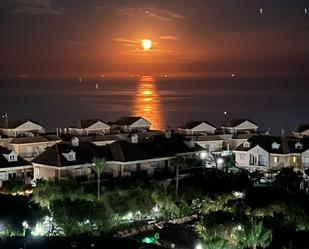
275	104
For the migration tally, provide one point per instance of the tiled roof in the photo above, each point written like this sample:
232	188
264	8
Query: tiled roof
12	124
121	151
34	139
85	123
53	156
192	124
206	138
265	142
126	120
4	163
236	122
302	128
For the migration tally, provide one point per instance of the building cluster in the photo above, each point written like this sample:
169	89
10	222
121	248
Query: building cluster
131	148
128	145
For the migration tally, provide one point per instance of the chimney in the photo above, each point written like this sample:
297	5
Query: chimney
134	138
75	141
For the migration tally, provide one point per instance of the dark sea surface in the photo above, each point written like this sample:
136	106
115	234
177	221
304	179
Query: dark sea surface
272	103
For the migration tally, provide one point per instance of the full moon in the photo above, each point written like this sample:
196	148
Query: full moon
146	44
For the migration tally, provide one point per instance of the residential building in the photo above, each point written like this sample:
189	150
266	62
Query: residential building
123	157
90	127
30	147
18	128
240	126
197	128
264	151
132	124
13	167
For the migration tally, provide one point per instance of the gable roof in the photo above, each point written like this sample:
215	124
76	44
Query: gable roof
265	142
4	163
85	123
175	144
236	122
302	128
127	120
53	156
12	124
192	124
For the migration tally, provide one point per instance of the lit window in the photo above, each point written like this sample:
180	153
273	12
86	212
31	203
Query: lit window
276	159
294	159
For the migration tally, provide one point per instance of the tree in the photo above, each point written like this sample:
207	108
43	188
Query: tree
178	162
254	236
99	165
288	179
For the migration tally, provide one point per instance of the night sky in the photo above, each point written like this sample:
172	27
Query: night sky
52	38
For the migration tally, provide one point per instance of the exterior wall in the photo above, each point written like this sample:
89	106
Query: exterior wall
150	168
203	128
141	123
211	146
242	158
282	160
7	174
234	143
44	173
244	126
305	159
294	160
24	128
4	142
75	172
255	158
31	150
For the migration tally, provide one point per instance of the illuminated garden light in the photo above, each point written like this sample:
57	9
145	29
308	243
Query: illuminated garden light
198	246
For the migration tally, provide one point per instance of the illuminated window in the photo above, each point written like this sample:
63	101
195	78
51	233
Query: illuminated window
294	159
276	159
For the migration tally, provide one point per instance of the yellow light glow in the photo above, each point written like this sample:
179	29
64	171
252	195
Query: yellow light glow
146	44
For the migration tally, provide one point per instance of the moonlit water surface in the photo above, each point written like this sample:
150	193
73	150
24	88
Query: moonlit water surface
272	103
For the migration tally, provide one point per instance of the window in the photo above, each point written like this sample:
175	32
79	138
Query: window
246	145
242	156
262	160
78	172
298	146
276	159
253	159
2	176
37	171
275	145
294	159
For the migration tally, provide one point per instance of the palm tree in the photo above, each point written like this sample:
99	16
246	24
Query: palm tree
255	236
178	162
99	165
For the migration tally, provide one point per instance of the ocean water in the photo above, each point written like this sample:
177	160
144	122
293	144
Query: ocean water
272	103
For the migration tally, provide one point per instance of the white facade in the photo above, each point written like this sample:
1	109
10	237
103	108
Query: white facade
99	128
305	159
199	129
27	127
256	157
242	127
